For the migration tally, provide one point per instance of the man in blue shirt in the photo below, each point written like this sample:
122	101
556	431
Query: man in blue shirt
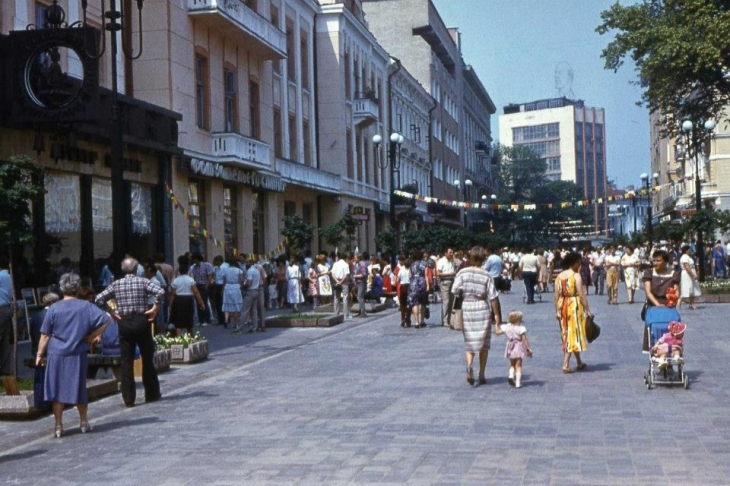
493	263
6	319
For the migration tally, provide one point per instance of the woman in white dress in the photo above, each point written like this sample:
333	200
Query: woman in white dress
688	288
631	263
232	297
294	294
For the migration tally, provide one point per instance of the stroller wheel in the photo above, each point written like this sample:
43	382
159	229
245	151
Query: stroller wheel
685	382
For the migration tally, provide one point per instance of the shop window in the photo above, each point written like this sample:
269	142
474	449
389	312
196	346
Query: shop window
290	208
63	217
196	221
230	219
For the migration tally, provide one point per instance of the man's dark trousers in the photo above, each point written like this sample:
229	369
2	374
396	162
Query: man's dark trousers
135	330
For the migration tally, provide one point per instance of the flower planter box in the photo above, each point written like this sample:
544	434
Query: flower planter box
330	321
161	359
21	406
193	353
305	321
714	298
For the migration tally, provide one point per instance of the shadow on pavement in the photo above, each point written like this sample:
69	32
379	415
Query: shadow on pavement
22	455
123	424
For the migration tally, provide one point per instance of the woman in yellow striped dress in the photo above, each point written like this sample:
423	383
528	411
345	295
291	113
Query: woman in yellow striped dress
571	309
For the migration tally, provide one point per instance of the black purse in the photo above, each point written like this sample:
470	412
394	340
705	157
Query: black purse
593	330
458	301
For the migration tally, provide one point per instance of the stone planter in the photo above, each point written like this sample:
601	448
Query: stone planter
330	321
191	354
305	321
714	298
161	359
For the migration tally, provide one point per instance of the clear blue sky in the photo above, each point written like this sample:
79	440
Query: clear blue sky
515	45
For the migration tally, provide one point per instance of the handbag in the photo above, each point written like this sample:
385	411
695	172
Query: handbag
458	301
593	330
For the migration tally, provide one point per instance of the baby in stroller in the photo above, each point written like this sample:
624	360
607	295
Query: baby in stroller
670	345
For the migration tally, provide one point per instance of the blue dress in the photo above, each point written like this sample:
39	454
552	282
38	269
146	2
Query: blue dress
68	323
232	297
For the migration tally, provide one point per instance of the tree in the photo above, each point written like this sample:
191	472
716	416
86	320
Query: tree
385	240
681	50
342	233
298	233
550	220
521	172
20	183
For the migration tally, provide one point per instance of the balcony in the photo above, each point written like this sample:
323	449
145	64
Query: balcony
365	110
234	19
360	189
297	174
236	149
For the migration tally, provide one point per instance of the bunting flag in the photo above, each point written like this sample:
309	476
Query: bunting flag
629	195
280	248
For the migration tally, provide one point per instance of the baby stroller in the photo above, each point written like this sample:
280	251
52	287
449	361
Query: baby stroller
671	372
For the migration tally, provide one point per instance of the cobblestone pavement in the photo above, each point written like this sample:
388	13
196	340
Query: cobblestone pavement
368	402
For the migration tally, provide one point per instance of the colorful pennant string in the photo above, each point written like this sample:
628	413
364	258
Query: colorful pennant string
629	195
280	248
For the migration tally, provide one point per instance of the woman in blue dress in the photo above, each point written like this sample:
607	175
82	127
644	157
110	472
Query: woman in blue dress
418	289
68	329
232	297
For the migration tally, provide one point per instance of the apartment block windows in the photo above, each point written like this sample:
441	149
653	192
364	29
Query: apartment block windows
202	102
536	132
253	110
278	130
304	52
293	140
307	144
230	109
275	22
291	54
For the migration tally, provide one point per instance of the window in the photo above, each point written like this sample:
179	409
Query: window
275	22
201	92
230	218
307	144
257	220
293	144
290	208
40	14
253	100
252	4
291	61
231	100
304	53
308	213
196	222
536	132
278	137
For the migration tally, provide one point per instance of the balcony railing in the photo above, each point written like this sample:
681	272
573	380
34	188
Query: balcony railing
360	189
238	149
302	175
365	111
235	18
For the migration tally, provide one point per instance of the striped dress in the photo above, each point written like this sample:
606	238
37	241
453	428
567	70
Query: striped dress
478	290
572	316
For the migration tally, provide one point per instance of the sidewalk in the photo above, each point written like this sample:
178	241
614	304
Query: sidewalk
368	402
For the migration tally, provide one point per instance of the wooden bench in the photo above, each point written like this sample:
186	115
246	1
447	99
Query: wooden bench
95	362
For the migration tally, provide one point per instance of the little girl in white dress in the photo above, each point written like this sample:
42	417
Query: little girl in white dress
517	346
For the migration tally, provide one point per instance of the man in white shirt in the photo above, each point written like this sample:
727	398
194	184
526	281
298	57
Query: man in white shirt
598	259
250	299
340	274
445	271
529	265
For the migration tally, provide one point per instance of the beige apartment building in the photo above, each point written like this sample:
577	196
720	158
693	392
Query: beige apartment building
570	137
677	161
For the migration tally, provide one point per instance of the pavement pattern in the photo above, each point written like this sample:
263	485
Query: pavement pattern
368	402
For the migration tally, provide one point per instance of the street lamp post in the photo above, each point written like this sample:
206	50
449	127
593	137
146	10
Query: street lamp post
117	25
393	162
694	140
467	183
649	225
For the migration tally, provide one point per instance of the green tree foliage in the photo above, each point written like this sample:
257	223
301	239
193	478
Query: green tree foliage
298	233
681	50
342	233
547	219
20	183
521	173
385	240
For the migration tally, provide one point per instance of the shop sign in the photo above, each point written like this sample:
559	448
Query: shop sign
215	170
360	214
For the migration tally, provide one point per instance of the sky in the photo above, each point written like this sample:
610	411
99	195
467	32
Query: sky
515	45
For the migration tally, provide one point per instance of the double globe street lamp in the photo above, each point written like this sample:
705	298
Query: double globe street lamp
392	162
695	137
467	183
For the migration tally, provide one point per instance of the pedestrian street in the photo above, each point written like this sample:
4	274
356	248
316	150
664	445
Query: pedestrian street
369	402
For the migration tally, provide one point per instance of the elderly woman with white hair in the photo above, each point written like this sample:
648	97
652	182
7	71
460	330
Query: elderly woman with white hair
69	326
